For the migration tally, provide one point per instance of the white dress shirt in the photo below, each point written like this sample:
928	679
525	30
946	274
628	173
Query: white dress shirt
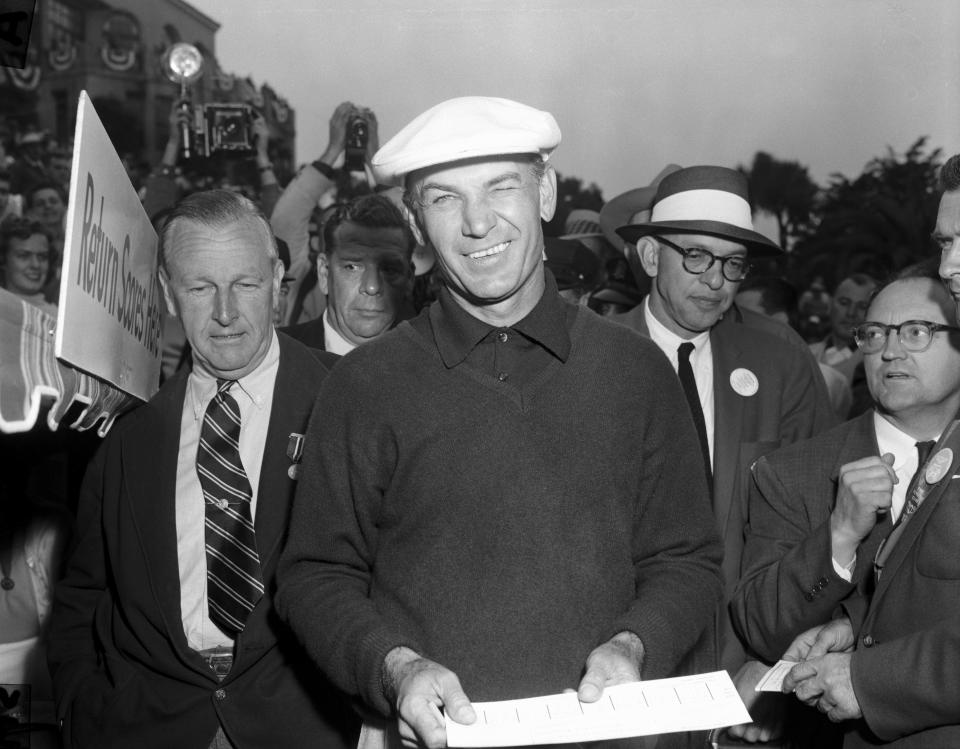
701	361
254	395
903	447
332	340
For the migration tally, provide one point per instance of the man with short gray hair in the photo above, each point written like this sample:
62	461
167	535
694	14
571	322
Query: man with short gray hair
163	629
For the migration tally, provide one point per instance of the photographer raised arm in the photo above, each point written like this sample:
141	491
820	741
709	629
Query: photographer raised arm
161	189
269	187
291	215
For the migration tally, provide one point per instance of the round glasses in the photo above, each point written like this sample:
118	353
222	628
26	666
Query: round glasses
697	260
914	335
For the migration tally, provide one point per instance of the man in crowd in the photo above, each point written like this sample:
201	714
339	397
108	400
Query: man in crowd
886	526
317	182
838	350
447	544
164	632
903	618
818	507
847	309
751	384
46	203
29	168
366	273
777	298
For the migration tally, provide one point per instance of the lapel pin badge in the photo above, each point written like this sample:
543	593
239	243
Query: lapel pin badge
294	452
938	466
744	382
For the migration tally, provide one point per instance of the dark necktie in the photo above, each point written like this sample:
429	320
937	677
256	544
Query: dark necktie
234	580
689	383
914	496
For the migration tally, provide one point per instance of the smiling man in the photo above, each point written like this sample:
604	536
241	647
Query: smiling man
448	544
163	629
366	273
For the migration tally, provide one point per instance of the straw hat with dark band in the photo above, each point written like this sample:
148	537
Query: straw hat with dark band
699	200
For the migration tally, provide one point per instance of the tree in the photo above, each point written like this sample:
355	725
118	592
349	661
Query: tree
877	223
784	190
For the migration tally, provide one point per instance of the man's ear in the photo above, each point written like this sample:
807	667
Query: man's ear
548	193
646	252
323	273
167	293
413	221
277	282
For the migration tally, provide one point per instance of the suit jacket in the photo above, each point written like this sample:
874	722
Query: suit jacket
906	665
791	404
123	672
312	334
309	333
789	584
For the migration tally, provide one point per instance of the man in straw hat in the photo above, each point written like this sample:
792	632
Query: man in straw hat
751	384
448	543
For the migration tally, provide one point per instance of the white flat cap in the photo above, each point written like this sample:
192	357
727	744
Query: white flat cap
465	128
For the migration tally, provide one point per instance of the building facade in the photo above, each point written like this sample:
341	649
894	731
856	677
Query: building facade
115	52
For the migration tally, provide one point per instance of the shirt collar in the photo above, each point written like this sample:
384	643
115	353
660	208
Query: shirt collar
891	439
457	332
332	340
665	338
256	387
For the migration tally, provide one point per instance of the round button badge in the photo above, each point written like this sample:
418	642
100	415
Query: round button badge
744	382
938	466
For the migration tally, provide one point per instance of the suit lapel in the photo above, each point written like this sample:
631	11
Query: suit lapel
293	395
913	529
150	458
727	421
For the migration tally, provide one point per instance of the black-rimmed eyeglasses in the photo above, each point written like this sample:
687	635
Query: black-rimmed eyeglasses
697	260
914	335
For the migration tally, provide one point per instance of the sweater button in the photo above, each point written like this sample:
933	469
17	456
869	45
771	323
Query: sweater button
867	641
502	376
220	694
503	337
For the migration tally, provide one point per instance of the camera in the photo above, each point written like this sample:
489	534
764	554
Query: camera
211	128
220	127
358	132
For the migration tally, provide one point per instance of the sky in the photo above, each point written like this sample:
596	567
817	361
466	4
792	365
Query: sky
633	84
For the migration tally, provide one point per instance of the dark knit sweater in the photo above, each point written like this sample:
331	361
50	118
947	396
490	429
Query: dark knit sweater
502	532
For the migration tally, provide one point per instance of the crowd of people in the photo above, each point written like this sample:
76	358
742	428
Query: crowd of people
409	454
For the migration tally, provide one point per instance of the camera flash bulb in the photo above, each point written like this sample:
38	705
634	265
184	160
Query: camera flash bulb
183	63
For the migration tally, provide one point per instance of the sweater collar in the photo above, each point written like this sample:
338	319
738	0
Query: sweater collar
457	332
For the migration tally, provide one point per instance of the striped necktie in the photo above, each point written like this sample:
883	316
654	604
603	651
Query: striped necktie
916	492
234	580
